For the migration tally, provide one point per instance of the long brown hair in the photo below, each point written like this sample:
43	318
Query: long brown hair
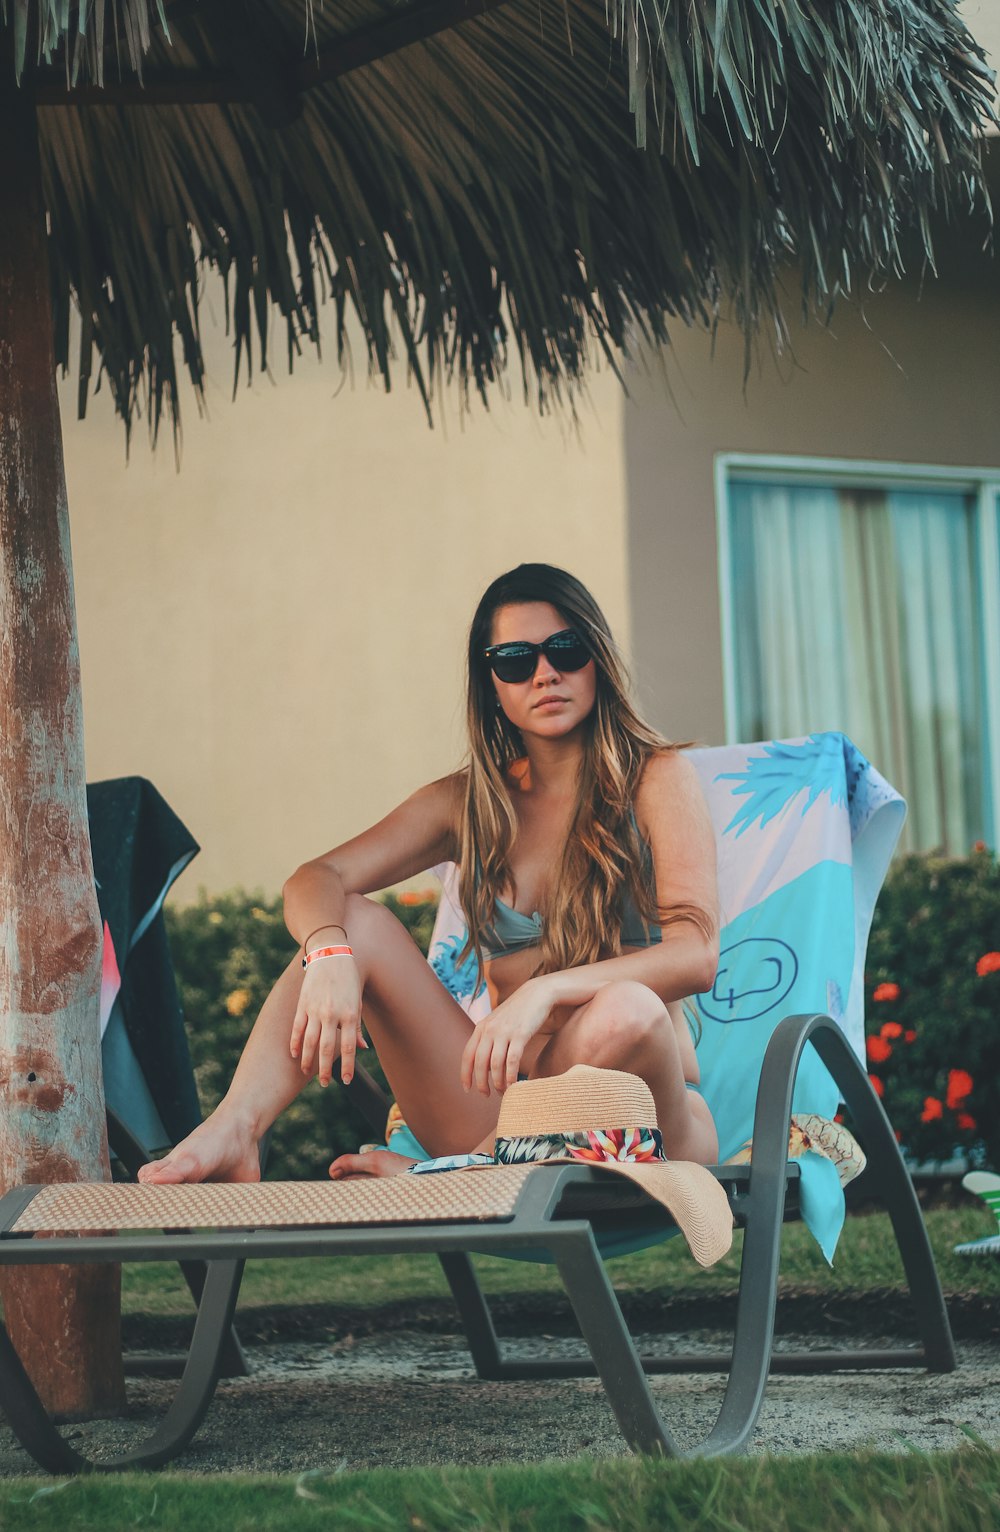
604	864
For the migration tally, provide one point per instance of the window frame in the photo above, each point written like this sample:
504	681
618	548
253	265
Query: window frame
981	484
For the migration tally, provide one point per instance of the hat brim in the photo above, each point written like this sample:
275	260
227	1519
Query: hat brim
692	1196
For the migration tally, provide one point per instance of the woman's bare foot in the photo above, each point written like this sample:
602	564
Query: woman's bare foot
221	1149
375	1162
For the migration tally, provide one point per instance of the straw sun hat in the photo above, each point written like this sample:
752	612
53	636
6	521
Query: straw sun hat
606	1118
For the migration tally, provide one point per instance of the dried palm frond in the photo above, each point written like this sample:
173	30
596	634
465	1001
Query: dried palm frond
484	189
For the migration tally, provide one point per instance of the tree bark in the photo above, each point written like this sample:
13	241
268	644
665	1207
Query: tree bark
64	1321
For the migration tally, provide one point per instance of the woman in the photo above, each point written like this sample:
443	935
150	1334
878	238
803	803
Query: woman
588	882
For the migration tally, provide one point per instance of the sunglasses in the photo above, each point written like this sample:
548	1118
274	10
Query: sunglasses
517	661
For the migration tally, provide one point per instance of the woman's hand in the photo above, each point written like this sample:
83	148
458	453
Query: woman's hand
493	1053
374	1162
329	1004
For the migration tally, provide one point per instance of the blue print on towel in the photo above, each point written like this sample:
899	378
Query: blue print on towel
460	979
754	976
773	779
814	914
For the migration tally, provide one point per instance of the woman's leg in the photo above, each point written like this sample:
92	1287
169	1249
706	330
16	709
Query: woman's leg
419	1032
626	1026
266	1079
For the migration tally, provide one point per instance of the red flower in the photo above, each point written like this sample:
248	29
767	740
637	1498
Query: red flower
932	1111
979	845
959	1086
878	1050
988	963
909	1036
877	1085
967	1123
890	1029
886	992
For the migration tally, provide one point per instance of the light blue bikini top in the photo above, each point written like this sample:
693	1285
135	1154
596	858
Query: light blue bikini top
511	930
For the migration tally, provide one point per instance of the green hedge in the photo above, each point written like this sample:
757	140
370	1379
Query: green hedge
227	952
932	1002
933	1005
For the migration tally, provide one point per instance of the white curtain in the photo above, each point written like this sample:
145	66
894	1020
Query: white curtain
859	610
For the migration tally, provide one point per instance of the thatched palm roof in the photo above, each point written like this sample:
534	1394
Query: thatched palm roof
479	178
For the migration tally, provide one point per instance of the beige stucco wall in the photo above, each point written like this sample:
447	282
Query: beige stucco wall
910	375
274	635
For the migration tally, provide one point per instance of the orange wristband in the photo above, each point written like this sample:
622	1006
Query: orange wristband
325	952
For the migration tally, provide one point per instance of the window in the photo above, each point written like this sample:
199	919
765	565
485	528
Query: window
866	597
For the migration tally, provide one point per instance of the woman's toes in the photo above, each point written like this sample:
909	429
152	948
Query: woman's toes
170	1171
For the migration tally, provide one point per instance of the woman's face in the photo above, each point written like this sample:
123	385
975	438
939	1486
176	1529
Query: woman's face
551	703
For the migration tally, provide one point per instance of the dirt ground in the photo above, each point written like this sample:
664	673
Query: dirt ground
329	1391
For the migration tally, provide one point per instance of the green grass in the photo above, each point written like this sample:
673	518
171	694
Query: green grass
941	1492
866	1258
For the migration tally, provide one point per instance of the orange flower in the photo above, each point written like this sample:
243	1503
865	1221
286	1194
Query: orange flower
416	896
959	1086
877	1085
878	1049
909	1036
967	1123
988	963
886	992
890	1029
979	845
932	1111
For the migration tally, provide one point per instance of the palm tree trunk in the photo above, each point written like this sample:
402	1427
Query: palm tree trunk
65	1321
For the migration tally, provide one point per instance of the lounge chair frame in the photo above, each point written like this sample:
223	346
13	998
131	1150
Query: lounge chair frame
551	1217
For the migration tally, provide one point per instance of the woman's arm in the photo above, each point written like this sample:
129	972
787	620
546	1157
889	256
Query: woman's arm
416	835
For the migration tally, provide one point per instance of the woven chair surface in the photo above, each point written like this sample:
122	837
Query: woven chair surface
452	1196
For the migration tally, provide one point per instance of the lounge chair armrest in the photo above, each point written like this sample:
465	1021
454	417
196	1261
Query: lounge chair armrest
886	1169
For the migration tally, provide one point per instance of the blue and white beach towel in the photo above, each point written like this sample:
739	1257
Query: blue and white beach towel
805	830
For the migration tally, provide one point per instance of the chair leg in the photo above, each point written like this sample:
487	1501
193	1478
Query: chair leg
622	1370
36	1432
615	1357
232	1360
753	1335
474	1313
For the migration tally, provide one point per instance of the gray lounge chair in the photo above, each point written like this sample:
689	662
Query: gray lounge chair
571	1214
561	1212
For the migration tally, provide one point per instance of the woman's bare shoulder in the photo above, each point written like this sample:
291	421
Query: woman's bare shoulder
670	775
419	833
672	810
443	799
673	814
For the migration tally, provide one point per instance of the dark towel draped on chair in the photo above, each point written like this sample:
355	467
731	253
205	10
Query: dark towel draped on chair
140	846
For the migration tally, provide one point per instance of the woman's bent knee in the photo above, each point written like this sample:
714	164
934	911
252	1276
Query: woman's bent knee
623	1024
628	1010
364	916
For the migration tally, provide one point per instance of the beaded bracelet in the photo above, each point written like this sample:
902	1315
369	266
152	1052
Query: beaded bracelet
333	926
325	952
